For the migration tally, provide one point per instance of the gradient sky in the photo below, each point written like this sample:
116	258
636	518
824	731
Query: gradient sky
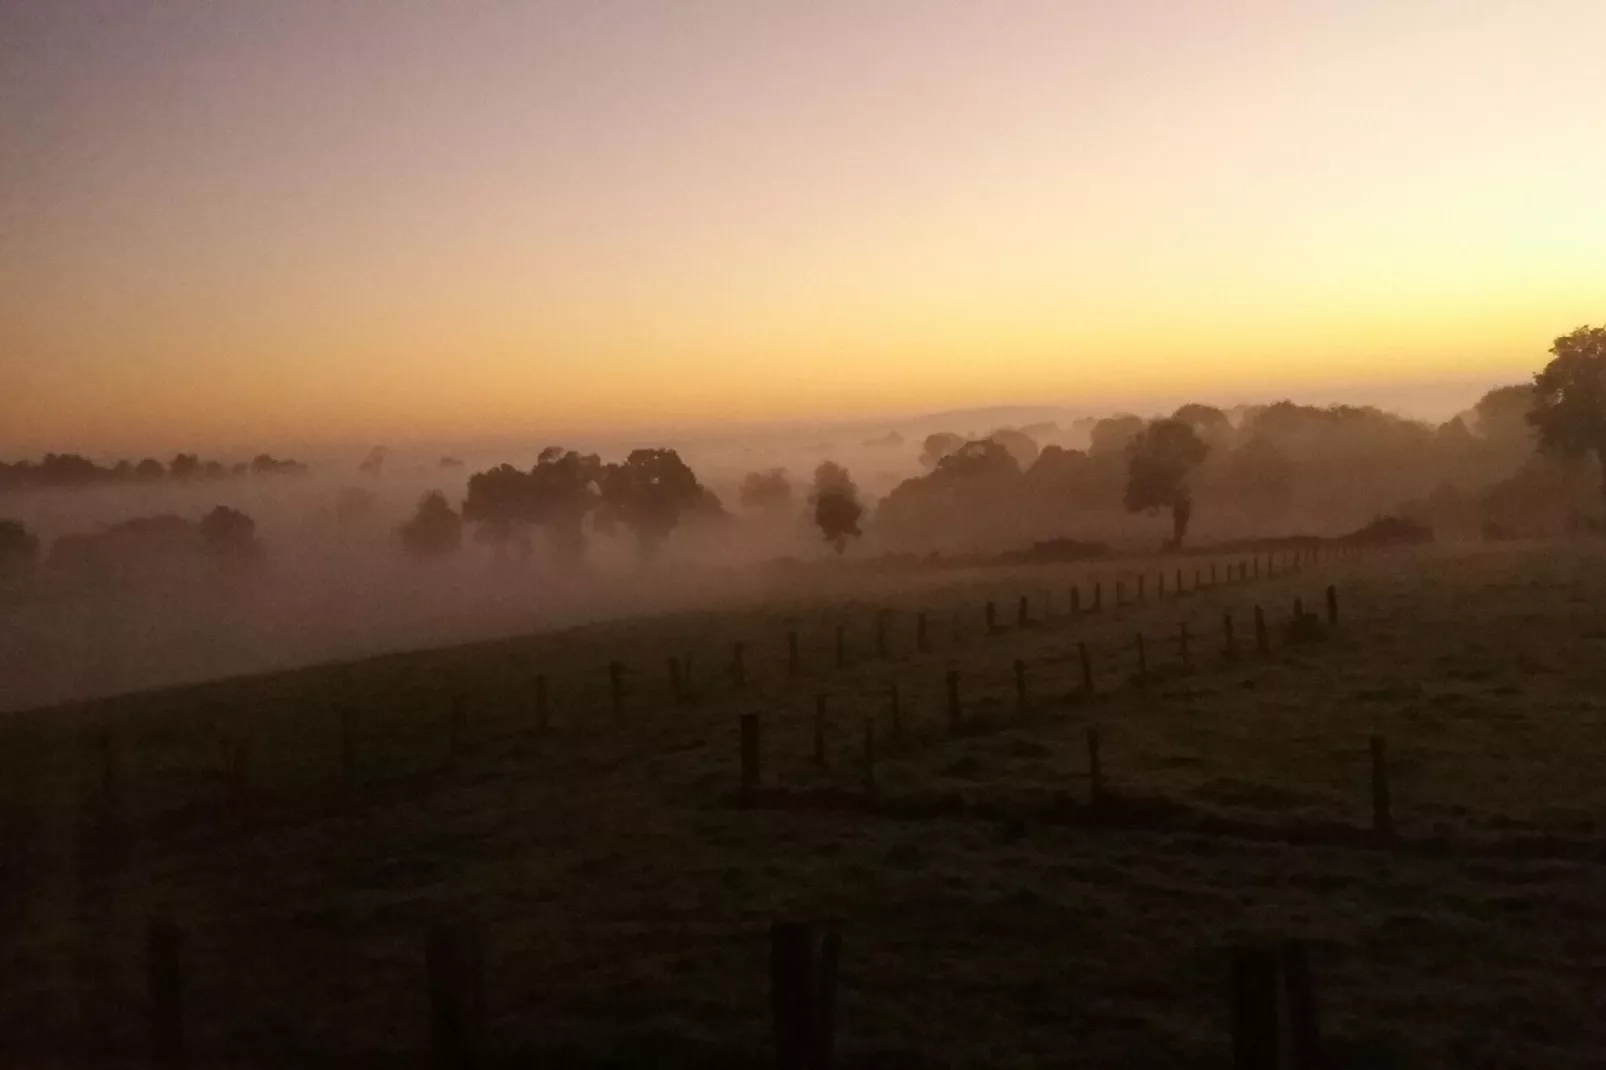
292	221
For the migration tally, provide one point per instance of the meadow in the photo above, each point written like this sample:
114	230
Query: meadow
997	907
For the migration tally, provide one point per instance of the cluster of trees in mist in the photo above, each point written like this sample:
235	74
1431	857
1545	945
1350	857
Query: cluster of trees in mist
60	470
566	495
1513	465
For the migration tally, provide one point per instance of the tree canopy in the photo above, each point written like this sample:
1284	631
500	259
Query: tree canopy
647	494
1569	397
1159	460
836	505
769	491
435	529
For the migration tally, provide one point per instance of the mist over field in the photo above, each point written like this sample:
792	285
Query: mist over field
330	578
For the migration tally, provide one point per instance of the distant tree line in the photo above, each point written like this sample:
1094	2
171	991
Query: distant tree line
58	470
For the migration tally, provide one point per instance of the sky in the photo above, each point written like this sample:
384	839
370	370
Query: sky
337	222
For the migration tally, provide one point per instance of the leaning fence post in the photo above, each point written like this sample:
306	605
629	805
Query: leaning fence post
1332	604
455	968
1299	991
1262	641
1255	1041
164	961
819	730
955	715
1098	596
1382	820
1087	669
1023	614
1020	687
750	754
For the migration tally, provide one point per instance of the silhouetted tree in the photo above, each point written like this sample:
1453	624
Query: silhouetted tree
374	463
1112	434
1159	461
184	466
1211	424
647	494
228	532
499	501
1569	403
984	458
149	468
214	470
836	504
565	486
1020	446
937	446
766	491
435	529
19	547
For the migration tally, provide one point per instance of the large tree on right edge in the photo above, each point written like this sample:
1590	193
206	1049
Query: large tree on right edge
1159	460
1569	409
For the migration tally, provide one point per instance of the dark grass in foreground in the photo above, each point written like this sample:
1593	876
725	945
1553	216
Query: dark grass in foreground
986	921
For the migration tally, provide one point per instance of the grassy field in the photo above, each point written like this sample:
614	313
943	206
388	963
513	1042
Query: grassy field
990	916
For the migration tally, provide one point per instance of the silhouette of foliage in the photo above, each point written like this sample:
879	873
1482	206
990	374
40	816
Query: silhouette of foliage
70	470
19	547
648	493
1569	398
184	466
435	529
555	494
769	491
836	505
1112	434
374	463
937	446
1018	444
227	532
1159	461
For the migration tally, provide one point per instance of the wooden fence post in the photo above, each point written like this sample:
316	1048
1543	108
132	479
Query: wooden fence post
677	680
543	720
1179	583
348	752
1023	613
1212	573
454	965
922	644
869	754
1098	596
1382	819
1255	1041
819	730
164	961
616	688
751	770
1299	992
739	664
1076	600
1020	687
803	968
1262	640
1095	768
1256	559
1160	587
991	614
1120	594
794	659
1332	604
955	714
1087	669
